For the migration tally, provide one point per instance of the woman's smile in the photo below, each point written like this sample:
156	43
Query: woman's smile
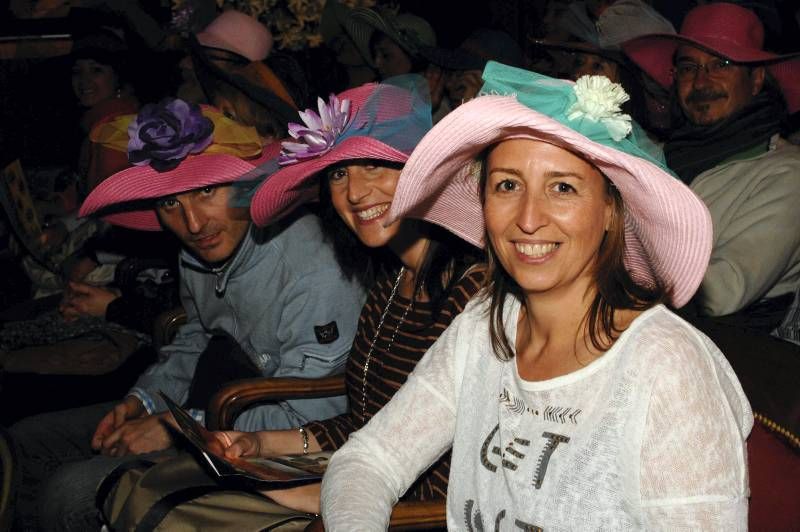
371	214
546	211
537	252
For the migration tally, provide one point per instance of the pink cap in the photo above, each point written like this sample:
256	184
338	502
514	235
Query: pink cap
238	33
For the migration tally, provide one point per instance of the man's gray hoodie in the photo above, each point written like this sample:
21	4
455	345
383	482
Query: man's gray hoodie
284	299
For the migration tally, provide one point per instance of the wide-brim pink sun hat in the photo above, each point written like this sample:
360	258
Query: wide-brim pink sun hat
722	29
138	184
189	147
377	121
668	233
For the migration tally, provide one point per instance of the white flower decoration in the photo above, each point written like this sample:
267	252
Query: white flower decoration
599	100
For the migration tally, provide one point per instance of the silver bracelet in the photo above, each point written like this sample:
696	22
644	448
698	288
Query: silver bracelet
304	434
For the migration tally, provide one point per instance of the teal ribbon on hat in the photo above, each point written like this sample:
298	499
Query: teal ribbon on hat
400	130
589	107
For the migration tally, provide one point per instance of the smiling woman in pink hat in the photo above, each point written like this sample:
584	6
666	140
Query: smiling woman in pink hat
418	276
572	396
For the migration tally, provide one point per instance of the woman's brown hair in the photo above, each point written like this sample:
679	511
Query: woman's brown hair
615	287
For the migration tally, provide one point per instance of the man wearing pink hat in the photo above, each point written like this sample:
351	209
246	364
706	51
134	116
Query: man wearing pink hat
733	96
290	316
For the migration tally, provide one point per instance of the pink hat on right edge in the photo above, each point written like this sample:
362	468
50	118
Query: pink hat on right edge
668	233
238	33
722	29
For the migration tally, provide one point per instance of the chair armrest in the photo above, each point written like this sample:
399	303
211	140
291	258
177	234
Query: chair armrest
226	405
414	515
166	325
409	515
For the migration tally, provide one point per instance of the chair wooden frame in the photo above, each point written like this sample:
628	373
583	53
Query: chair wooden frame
233	398
166	325
230	401
226	405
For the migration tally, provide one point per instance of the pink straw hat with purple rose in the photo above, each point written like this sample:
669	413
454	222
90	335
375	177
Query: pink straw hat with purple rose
174	147
722	29
377	121
668	233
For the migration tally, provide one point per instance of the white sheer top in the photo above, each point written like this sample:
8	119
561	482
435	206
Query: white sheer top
650	436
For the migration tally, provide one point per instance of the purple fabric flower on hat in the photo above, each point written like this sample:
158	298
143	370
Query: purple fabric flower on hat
163	135
319	132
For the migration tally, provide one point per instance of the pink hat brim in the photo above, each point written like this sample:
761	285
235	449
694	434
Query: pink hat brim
654	54
144	183
293	185
667	227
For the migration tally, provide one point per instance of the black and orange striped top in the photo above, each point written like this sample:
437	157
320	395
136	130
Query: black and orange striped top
390	365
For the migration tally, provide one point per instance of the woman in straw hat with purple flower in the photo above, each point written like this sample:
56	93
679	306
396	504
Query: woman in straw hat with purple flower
572	396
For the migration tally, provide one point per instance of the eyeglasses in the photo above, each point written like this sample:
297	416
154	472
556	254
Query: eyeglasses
688	70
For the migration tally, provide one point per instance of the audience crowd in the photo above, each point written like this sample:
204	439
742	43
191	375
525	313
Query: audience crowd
557	276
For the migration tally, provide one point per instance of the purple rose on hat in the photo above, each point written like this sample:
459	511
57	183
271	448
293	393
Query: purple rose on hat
163	135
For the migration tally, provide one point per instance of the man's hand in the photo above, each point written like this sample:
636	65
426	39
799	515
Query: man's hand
145	434
130	408
82	299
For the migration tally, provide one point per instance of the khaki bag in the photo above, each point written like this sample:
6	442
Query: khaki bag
178	495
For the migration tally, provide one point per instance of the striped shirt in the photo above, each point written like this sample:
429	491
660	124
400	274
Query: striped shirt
391	362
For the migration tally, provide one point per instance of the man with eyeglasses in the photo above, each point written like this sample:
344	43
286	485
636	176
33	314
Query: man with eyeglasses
732	98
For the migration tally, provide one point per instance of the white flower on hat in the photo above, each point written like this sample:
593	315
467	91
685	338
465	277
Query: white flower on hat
599	99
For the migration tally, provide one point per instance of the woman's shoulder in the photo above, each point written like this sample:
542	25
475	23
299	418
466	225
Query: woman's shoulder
661	334
670	350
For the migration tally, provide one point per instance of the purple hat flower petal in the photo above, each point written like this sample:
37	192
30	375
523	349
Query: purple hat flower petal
202	144
312	119
163	135
315	141
325	112
319	132
340	120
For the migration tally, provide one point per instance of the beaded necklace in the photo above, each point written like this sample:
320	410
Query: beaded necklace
375	338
